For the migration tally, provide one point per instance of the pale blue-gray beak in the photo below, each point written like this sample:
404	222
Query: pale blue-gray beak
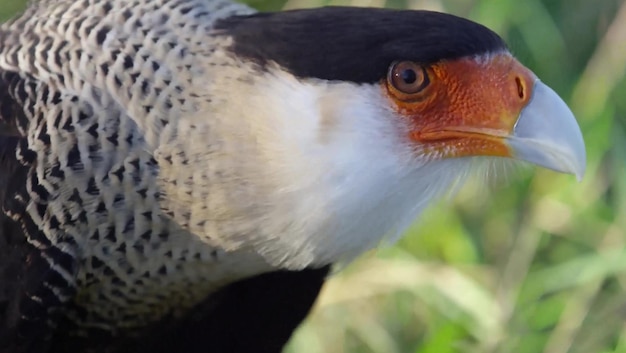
547	134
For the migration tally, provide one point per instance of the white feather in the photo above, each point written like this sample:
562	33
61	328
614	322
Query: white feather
319	171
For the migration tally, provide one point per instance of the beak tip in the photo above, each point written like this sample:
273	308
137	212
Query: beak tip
547	134
579	170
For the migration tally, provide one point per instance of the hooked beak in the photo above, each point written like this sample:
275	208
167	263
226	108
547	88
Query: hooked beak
546	134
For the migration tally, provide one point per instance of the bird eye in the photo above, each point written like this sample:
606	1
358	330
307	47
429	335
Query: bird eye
408	77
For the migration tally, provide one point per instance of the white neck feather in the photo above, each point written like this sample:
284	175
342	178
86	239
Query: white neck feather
311	172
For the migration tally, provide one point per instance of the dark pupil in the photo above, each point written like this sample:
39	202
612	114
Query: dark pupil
409	76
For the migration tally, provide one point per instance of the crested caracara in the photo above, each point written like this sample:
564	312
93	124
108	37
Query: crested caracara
179	175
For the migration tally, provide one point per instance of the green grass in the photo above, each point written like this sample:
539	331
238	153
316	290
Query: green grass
534	265
10	7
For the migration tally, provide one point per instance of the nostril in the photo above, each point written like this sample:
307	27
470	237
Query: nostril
521	89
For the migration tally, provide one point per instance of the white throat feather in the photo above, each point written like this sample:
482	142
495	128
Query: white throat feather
312	172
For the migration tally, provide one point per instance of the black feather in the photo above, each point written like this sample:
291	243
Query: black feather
354	44
32	293
257	314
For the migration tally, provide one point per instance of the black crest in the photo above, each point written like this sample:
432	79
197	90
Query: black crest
354	44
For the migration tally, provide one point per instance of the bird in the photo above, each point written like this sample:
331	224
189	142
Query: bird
183	175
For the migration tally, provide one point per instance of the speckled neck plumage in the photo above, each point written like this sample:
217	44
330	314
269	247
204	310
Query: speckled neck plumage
101	81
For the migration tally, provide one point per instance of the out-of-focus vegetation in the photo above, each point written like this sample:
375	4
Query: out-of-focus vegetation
537	264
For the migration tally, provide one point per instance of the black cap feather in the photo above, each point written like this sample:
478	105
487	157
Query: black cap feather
354	44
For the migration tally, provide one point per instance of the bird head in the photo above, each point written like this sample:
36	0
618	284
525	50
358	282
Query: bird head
451	80
361	116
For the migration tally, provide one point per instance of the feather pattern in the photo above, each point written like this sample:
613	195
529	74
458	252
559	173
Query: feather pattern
90	85
154	167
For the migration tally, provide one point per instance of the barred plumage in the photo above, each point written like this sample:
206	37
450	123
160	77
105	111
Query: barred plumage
92	86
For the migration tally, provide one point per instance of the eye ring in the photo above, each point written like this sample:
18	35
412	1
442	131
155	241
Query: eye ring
408	77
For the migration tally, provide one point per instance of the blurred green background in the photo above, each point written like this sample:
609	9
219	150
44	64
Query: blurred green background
533	264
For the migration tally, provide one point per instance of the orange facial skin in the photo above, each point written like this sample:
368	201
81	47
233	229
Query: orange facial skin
469	107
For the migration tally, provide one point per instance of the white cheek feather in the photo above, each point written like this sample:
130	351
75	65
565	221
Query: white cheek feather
345	172
318	172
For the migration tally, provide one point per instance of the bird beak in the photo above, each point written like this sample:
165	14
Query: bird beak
494	107
546	134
